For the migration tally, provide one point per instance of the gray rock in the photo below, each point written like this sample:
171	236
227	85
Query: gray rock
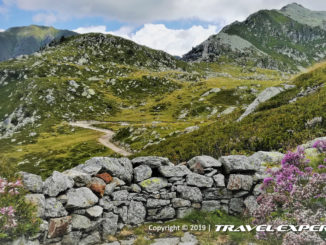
258	190
57	183
80	178
153	184
216	194
95	211
241	193
240	182
106	203
136	213
166	241
219	180
190	193
118	181
92	239
80	222
81	198
39	201
135	188
91	167
268	156
118	167
142	172
183	212
188	239
120	195
174	171
239	163
169	195
62	198
128	242
251	204
165	213
210	206
179	202
151	161
154	203
204	161
54	208
123	213
236	205
72	238
32	182
109	225
110	188
199	180
265	95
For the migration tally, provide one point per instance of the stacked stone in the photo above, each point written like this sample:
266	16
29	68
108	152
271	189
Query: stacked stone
87	204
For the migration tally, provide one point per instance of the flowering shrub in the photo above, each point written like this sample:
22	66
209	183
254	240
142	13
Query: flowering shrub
294	194
16	216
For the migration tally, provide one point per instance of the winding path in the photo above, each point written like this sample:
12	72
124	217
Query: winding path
105	139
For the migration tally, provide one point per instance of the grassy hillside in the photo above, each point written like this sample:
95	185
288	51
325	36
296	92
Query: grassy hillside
144	95
276	125
28	39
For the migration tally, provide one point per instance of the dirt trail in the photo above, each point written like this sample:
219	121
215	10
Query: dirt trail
105	139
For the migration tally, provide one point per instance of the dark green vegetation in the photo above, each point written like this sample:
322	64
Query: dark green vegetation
287	40
276	125
28	39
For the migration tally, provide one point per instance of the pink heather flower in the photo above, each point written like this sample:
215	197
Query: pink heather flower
321	166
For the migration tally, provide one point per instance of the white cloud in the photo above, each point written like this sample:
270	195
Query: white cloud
2	30
147	11
158	36
47	19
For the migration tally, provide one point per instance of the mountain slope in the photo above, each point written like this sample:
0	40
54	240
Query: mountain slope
288	119
28	39
268	39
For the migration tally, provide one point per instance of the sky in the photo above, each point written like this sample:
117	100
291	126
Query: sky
174	26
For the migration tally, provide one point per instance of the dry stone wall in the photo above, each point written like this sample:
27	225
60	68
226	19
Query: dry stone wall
94	200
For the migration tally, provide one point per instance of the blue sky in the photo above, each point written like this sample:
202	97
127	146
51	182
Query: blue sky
171	25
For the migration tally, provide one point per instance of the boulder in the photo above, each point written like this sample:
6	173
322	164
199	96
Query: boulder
165	213
211	205
251	204
174	171
80	222
239	163
199	180
268	156
109	225
240	182
219	180
54	208
204	162
154	203
142	172
80	178
110	188
190	193
94	212
236	205
153	184
136	213
32	182
39	201
151	161
179	202
59	227
81	198
92	239
120	195
57	183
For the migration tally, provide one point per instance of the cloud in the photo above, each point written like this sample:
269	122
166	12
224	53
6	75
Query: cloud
158	36
47	19
147	11
2	30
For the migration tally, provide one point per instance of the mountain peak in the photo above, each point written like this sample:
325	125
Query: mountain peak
294	6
